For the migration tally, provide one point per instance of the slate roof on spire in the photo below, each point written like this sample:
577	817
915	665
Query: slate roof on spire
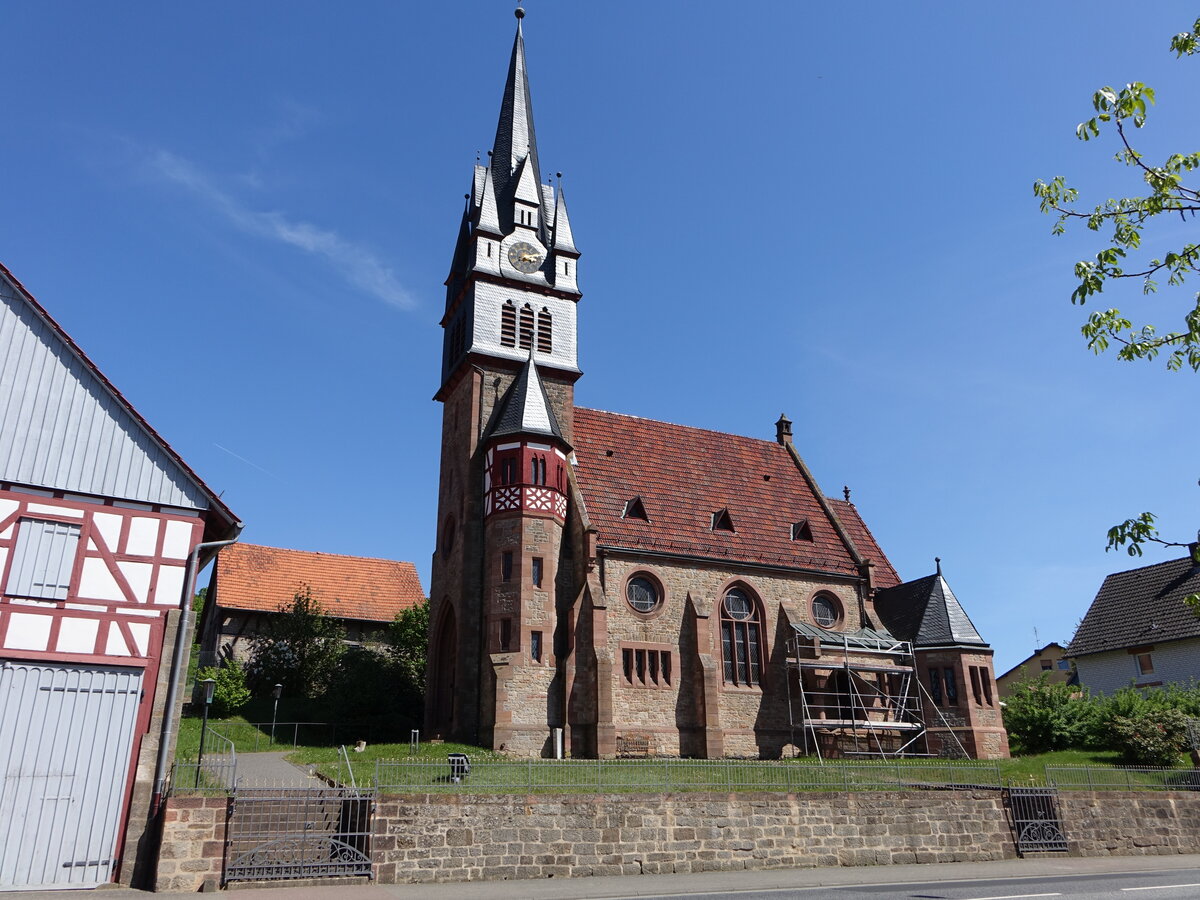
927	613
526	407
563	238
515	138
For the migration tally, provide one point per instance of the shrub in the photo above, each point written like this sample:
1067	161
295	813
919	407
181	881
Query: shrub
1041	716
1152	737
230	693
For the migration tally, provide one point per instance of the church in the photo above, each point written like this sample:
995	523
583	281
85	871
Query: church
606	585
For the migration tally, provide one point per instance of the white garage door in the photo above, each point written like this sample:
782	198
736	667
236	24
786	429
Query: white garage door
66	734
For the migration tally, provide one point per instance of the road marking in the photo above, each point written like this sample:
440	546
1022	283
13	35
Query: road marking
1161	887
1013	896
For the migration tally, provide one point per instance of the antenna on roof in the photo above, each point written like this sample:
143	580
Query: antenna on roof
1037	644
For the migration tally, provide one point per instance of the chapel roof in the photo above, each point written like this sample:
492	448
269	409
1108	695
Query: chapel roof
926	612
1140	606
262	579
685	476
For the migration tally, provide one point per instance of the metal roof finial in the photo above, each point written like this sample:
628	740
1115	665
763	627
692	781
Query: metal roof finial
519	12
938	560
846	492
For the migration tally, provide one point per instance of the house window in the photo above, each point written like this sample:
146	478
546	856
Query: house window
544	332
935	686
536	571
741	647
506	563
535	646
526	333
951	687
508	324
1064	665
1047	665
505	633
537	470
508	471
43	559
1145	665
976	686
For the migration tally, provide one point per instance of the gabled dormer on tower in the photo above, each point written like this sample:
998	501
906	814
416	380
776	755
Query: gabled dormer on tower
515	261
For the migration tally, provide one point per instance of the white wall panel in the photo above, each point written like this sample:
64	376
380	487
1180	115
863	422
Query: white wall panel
77	635
109	526
68	511
7	508
26	632
169	589
143	536
115	645
60	427
178	540
138	575
97	583
141	637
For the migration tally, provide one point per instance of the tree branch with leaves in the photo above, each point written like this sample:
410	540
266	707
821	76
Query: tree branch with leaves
1125	221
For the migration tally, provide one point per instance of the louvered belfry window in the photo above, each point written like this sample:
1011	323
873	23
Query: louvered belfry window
545	344
43	559
526	333
508	324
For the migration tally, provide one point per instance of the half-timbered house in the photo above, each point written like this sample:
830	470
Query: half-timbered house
101	524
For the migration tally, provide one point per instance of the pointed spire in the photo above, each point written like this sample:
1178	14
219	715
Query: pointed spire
489	217
563	239
515	138
527	408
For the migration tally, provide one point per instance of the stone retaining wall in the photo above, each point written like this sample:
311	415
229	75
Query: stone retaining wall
436	837
460	838
193	843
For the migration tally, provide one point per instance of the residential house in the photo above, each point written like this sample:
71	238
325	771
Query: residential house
250	584
1139	631
1051	661
101	525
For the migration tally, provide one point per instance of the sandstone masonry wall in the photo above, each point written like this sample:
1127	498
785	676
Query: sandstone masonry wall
193	843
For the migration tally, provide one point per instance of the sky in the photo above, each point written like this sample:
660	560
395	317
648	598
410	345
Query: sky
244	213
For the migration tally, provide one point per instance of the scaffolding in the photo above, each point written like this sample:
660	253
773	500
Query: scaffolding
858	693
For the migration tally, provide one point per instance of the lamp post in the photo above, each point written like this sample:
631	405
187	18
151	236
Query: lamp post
278	689
210	685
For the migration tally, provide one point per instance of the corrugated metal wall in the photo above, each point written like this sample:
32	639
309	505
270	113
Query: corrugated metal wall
66	735
61	428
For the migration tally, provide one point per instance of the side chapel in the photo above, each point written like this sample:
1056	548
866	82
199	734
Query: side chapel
591	596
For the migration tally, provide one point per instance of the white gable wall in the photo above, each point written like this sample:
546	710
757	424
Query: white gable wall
61	428
1174	661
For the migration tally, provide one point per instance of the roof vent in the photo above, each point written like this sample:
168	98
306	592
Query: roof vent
722	521
635	509
802	531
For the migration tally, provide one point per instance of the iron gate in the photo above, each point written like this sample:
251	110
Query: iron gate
281	833
1036	822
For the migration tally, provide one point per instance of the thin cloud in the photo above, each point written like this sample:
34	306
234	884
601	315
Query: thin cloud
359	266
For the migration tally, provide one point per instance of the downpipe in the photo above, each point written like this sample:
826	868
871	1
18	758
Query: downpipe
179	658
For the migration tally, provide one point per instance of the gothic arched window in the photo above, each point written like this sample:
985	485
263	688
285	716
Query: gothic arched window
526	333
508	324
741	638
537	470
545	343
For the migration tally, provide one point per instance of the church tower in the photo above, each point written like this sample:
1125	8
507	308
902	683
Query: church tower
509	363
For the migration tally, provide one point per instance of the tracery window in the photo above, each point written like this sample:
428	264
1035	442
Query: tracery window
741	638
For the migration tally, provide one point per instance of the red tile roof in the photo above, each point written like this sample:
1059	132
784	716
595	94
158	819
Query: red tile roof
683	475
864	541
347	587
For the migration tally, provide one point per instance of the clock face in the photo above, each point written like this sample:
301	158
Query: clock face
524	257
